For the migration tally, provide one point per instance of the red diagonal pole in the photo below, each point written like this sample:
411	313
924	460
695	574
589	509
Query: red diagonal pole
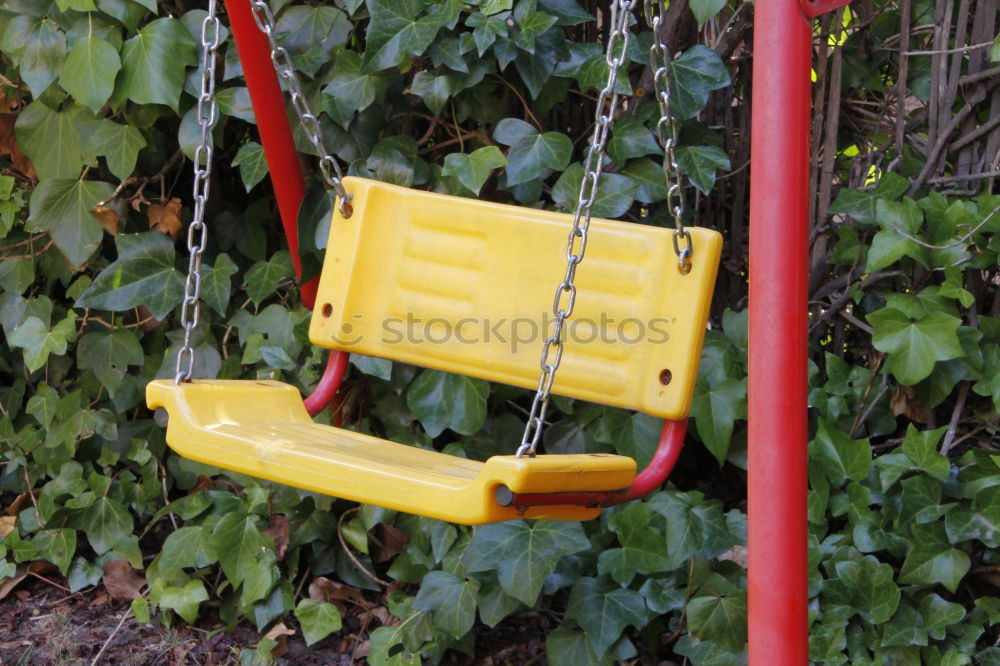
779	209
272	124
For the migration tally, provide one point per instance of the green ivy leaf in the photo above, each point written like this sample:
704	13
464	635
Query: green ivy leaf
631	139
119	144
311	33
319	619
648	175
720	619
184	600
915	345
694	75
351	87
186	547
262	278
871	588
704	10
62	208
153	64
522	553
452	599
396	32
565	646
239	544
495	604
889	245
700	164
53	142
474	168
715	410
843	458
443	400
532	155
983	524
932	560
921	448
105	522
394	160
108	354
143	274
56	546
39	49
615	192
643	549
39	341
89	72
604	610
938	615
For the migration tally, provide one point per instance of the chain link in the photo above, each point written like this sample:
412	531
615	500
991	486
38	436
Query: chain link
565	295
197	237
310	123
659	62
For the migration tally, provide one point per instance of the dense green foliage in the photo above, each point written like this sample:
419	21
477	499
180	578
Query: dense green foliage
493	98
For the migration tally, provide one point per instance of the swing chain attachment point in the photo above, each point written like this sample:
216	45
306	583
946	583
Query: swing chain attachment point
659	62
565	296
285	69
197	238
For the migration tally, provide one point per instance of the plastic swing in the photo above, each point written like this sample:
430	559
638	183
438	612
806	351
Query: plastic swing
639	307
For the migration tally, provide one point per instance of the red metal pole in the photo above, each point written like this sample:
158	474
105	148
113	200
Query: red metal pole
778	423
272	124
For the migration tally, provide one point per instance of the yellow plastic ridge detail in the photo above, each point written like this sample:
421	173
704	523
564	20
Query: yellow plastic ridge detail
262	429
467	286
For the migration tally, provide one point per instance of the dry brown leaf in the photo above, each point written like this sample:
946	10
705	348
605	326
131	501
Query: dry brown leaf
201	483
108	218
7	525
23	595
100	599
121	581
362	650
166	218
21	572
278	530
279	633
905	402
19	503
380	613
393	541
8	145
737	554
147	320
332	592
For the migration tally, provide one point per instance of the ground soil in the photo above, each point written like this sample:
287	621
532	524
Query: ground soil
43	624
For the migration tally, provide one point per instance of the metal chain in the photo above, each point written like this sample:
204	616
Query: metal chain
211	31
565	296
310	123
659	62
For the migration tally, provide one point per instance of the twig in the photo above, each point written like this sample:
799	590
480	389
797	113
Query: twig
30	255
957	243
961	49
971	176
46	580
357	562
524	103
949	436
856	322
104	647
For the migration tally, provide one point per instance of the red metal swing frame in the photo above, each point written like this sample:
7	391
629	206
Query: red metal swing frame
779	204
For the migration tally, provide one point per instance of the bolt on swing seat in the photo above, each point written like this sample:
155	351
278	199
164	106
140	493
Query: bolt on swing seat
453	284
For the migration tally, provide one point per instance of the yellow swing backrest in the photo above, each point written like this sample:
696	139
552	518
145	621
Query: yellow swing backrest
467	286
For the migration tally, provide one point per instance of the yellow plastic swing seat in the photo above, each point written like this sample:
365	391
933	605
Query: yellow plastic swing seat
466	286
262	429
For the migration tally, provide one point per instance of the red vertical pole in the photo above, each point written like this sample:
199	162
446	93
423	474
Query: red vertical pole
272	124
779	208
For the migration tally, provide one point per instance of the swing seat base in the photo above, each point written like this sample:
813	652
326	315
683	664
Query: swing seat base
262	429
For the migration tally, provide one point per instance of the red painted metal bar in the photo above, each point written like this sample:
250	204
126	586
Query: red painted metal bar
283	165
275	132
328	384
651	478
778	423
